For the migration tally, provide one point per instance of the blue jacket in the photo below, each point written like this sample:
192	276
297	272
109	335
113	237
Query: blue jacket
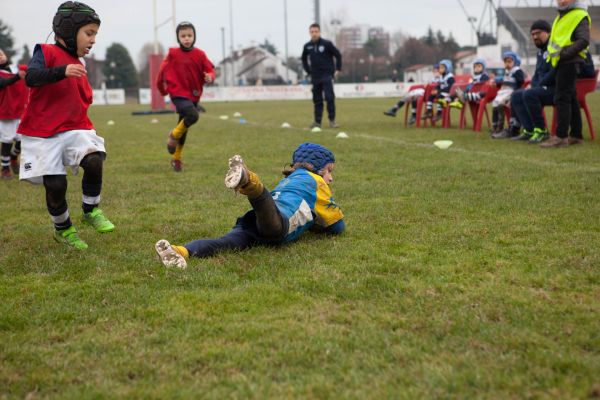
318	59
544	76
305	200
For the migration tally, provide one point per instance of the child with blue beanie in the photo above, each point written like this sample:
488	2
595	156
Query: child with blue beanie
301	201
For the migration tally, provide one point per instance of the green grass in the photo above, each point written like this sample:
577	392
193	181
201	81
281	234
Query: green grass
469	273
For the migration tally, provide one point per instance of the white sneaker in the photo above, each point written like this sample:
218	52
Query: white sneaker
236	176
169	257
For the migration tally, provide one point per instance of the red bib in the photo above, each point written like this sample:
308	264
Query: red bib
183	73
60	106
13	98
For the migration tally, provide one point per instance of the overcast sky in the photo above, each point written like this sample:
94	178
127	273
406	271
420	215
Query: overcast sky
130	22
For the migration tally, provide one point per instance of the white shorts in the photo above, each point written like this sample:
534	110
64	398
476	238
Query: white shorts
414	95
503	97
8	130
52	156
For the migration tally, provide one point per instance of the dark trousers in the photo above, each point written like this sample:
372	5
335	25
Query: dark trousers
567	106
320	87
264	225
528	106
187	110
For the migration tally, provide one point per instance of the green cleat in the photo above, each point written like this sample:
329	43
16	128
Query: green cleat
70	238
97	219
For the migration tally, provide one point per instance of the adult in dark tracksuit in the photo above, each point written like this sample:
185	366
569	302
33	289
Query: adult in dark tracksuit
318	62
527	104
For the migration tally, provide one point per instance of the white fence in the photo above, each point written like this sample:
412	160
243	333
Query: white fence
264	93
109	97
299	92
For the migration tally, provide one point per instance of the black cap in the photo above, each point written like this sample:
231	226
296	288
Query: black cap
541	25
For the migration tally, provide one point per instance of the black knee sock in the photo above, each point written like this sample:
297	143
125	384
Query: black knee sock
268	218
5	154
56	190
91	184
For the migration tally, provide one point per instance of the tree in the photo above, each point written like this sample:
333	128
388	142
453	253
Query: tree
6	40
415	51
119	69
26	56
268	46
375	47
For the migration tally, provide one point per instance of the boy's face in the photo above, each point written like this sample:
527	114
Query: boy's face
315	34
327	173
86	38
564	3
478	68
509	63
442	69
186	37
3	58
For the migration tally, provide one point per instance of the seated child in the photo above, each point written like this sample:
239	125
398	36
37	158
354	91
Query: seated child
513	79
441	94
469	95
412	97
301	201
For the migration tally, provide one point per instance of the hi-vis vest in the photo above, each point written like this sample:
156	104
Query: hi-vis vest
562	30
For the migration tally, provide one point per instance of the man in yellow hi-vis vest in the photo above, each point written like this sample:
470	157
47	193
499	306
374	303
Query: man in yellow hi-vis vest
567	51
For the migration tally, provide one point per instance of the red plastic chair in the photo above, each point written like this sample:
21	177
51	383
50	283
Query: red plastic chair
479	109
447	111
422	102
584	87
409	105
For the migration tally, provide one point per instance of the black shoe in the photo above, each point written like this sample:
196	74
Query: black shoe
390	113
525	136
504	134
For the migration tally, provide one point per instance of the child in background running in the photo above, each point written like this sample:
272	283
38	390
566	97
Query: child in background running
182	76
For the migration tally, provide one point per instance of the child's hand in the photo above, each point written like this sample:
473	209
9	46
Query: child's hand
208	78
75	71
434	92
22	74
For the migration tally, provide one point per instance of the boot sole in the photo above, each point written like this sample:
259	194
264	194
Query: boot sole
169	257
236	172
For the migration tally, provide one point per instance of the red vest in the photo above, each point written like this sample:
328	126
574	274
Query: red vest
14	97
60	106
183	73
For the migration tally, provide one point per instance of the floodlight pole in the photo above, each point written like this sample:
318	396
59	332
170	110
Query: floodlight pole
174	7
287	56
223	47
231	42
154	12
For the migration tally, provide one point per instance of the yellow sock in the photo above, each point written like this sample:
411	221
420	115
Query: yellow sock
179	130
254	187
178	152
182	251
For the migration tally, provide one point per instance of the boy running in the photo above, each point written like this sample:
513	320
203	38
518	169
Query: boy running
57	132
182	76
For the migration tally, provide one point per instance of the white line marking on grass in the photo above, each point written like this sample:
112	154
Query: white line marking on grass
400	142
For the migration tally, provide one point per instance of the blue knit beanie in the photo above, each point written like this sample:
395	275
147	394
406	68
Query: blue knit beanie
314	154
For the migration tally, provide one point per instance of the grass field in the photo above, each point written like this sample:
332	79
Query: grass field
468	273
